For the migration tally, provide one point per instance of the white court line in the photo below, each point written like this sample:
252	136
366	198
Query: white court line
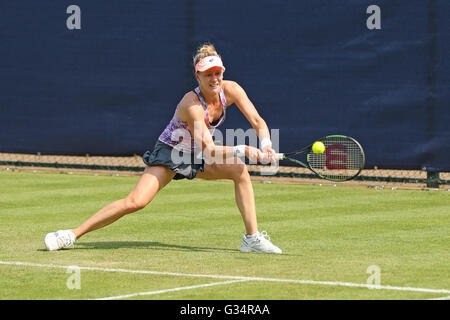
170	290
311	282
441	298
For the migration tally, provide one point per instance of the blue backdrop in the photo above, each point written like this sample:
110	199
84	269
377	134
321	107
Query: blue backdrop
312	68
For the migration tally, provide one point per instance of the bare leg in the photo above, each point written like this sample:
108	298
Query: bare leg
152	180
243	188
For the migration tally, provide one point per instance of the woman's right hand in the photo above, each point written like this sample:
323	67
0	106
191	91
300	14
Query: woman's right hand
256	155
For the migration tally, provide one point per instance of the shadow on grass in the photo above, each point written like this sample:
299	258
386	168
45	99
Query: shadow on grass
146	245
158	246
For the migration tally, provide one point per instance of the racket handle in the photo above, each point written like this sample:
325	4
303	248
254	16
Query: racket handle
279	156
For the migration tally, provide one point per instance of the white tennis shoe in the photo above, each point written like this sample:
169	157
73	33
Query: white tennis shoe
259	242
59	239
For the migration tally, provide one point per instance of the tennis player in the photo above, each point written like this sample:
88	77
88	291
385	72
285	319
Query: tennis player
185	149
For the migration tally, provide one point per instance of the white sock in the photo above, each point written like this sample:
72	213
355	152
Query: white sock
248	236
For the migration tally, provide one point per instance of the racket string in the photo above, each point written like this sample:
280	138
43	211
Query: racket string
342	159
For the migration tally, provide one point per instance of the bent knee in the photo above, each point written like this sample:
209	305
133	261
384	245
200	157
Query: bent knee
240	173
133	204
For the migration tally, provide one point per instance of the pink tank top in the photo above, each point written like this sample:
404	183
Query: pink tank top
177	133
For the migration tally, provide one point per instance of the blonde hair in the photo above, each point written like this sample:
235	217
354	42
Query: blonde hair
204	51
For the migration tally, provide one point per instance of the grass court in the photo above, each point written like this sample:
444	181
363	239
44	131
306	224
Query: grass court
337	242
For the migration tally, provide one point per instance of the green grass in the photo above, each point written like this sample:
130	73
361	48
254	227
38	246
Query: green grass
193	227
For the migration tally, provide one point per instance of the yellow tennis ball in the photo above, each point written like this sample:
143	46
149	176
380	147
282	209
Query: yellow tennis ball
318	147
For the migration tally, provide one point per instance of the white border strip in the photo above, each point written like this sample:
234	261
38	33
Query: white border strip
170	290
441	298
311	282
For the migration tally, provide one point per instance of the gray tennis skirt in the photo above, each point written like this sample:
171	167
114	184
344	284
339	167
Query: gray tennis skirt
162	156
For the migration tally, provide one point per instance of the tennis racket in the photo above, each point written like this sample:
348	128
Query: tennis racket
342	160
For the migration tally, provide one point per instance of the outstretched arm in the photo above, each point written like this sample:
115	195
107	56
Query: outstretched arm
240	98
192	112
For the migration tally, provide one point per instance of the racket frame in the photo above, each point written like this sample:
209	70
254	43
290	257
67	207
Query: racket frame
286	156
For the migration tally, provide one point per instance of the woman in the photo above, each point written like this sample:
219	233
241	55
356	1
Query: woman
186	149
